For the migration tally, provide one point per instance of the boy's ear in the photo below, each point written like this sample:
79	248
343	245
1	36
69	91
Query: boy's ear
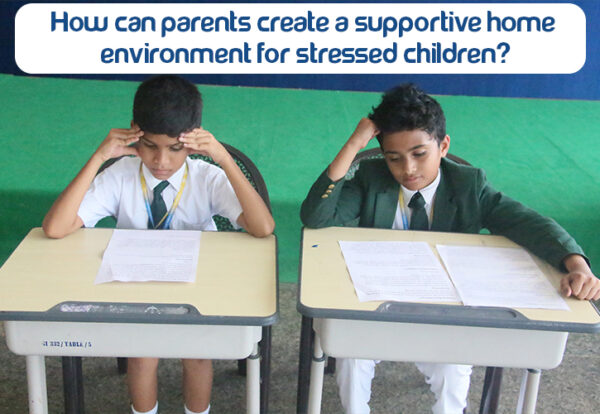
445	145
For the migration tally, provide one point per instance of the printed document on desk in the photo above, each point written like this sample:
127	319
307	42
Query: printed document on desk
150	255
400	271
499	276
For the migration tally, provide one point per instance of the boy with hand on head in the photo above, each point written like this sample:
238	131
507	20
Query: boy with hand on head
415	187
160	188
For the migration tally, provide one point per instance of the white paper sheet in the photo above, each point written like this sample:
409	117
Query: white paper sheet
499	276
400	271
150	255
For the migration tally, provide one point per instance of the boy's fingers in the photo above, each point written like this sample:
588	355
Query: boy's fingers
120	131
122	136
197	141
196	132
594	291
565	289
581	285
576	283
131	140
134	133
591	294
197	147
584	291
128	139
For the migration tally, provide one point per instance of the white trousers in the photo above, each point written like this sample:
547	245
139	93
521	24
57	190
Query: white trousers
449	383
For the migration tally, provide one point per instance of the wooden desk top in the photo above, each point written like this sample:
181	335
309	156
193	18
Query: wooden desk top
236	278
326	289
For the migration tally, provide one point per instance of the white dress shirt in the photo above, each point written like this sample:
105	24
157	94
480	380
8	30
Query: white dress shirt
428	194
117	192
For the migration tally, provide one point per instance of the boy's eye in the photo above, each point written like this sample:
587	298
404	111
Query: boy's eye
176	148
420	154
148	144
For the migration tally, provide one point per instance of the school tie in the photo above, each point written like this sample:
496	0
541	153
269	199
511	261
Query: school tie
158	206
418	218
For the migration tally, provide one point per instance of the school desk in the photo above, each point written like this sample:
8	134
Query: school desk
532	339
52	307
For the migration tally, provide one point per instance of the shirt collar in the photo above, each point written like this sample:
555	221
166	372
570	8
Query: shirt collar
428	192
174	180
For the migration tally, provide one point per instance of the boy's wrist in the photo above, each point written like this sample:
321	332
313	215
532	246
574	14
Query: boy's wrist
97	159
575	262
226	160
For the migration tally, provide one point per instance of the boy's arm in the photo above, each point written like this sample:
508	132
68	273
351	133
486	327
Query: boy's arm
580	281
62	218
541	235
330	200
256	218
364	132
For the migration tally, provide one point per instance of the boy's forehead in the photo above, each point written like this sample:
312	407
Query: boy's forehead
407	137
159	139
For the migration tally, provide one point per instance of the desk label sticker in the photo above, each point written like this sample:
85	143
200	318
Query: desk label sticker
66	344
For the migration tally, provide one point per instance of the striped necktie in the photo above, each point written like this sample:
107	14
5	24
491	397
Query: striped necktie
158	206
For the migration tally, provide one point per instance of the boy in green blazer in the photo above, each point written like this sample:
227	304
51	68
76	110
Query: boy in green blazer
415	187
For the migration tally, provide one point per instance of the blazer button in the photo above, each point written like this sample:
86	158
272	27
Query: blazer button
328	191
331	186
325	196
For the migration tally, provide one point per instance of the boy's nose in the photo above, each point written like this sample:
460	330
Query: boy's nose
161	157
409	167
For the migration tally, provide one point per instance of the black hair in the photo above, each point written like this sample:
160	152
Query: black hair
167	104
406	108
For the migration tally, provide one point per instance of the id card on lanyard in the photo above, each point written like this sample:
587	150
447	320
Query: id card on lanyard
166	219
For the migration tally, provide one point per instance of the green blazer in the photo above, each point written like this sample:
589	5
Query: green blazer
464	203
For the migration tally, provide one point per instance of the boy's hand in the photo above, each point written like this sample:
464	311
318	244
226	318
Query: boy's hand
200	141
118	141
580	282
580	285
364	132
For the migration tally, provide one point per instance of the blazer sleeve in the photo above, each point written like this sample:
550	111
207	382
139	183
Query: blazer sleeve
330	203
541	235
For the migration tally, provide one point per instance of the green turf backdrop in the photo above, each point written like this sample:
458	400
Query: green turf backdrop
541	152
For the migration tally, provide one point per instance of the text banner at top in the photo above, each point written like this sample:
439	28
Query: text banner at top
300	38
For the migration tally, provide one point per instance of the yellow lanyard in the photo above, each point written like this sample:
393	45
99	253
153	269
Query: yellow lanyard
169	214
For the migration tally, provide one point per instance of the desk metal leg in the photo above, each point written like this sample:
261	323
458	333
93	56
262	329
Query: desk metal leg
73	385
36	384
529	391
265	368
490	395
241	364
330	367
317	369
122	365
305	354
253	382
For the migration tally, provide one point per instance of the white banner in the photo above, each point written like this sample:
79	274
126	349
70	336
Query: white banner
296	38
